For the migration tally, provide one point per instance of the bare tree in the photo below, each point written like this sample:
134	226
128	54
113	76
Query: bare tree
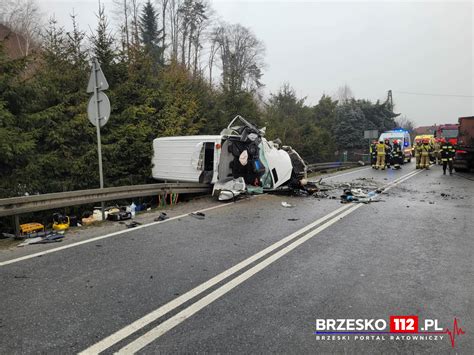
241	57
122	16
174	23
24	18
343	94
135	23
164	5
405	123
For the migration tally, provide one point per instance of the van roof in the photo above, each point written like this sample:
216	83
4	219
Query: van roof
393	134
193	138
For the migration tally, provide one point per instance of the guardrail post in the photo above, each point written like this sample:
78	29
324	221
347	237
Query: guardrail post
16	221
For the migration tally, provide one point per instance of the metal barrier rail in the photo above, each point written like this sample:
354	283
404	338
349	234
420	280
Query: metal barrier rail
24	204
332	165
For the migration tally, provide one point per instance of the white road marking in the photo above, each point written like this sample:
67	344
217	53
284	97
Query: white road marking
151	317
350	172
401	179
180	317
72	245
169	324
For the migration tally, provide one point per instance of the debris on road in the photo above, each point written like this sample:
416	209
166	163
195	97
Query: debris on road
6	235
358	195
286	204
197	215
132	224
163	216
49	237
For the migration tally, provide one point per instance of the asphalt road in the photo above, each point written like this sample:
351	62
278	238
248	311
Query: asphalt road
409	254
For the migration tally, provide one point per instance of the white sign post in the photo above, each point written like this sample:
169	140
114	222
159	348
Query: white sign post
98	110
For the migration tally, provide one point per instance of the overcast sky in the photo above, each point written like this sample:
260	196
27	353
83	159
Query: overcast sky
405	46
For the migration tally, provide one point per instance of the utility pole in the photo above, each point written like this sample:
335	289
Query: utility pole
390	99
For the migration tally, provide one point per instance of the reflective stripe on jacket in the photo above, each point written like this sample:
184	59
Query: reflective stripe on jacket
447	152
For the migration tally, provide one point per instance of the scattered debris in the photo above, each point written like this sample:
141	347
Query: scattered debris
358	195
28	228
293	219
51	237
60	222
286	204
163	216
132	224
197	215
119	215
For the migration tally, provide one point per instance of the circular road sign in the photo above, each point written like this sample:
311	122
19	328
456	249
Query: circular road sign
104	109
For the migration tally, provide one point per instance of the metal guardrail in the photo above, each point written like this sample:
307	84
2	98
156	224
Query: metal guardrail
25	204
331	165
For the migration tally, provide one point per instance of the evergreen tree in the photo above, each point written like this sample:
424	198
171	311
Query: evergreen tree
151	36
103	46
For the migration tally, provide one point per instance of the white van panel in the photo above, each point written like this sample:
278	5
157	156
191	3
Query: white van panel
173	157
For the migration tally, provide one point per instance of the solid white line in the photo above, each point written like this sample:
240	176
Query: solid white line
167	325
72	245
151	317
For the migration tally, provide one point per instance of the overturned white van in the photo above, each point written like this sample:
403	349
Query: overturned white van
239	156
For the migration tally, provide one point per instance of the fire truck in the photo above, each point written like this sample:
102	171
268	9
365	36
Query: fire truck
447	131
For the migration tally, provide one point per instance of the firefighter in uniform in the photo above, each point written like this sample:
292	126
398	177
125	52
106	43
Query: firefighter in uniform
397	155
388	153
425	154
373	154
437	151
418	153
380	156
447	155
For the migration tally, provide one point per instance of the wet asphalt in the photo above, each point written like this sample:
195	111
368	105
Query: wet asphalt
410	253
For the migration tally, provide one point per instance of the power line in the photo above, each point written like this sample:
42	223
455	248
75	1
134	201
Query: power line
425	94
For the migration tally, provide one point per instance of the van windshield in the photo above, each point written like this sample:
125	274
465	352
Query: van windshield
391	139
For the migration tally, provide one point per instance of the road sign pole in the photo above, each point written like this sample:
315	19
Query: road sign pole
99	145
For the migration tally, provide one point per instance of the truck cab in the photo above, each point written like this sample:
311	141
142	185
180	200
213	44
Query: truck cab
448	132
464	158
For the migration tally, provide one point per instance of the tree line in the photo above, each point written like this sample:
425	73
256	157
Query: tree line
173	70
